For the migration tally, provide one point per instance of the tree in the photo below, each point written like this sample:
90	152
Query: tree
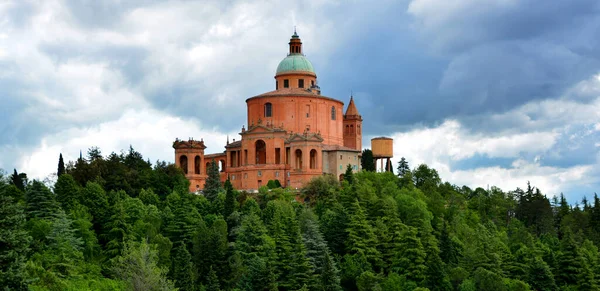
403	167
182	268
14	240
61	166
410	261
569	261
40	201
138	266
67	191
540	276
19	180
367	162
361	238
324	269
229	199
212	187
212	281
349	175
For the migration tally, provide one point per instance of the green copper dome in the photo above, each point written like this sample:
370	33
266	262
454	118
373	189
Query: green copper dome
295	63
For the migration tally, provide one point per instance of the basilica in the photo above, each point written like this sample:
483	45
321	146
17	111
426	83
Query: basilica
293	134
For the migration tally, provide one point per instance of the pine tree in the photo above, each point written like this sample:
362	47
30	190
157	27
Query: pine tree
61	166
403	167
118	230
361	238
67	191
64	249
182	268
19	180
212	281
540	276
212	187
324	270
40	201
229	199
138	267
569	261
410	261
14	240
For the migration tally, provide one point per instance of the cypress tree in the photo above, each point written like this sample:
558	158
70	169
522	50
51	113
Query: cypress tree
212	187
61	166
14	240
182	268
349	175
229	199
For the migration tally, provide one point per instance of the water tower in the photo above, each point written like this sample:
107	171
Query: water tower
383	149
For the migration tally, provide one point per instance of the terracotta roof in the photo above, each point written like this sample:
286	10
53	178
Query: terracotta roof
290	91
328	148
351	108
215	155
235	144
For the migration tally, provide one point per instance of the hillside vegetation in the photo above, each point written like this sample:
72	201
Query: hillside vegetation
120	223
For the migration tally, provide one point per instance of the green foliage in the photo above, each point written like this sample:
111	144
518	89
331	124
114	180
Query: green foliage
41	202
61	166
14	242
367	163
349	175
182	268
273	184
67	191
212	187
375	231
138	267
19	180
403	167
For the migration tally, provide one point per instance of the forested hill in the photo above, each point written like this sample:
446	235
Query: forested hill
120	223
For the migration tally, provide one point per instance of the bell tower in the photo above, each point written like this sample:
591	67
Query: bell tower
295	44
352	127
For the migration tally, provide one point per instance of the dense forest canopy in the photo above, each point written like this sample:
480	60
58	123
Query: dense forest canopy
118	222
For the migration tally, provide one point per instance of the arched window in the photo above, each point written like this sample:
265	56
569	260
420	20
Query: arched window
268	110
197	165
221	165
261	152
298	159
183	163
347	128
332	112
313	159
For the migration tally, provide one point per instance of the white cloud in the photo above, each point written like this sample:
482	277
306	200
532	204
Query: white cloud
150	132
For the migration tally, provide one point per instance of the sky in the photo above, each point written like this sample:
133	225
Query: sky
489	93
